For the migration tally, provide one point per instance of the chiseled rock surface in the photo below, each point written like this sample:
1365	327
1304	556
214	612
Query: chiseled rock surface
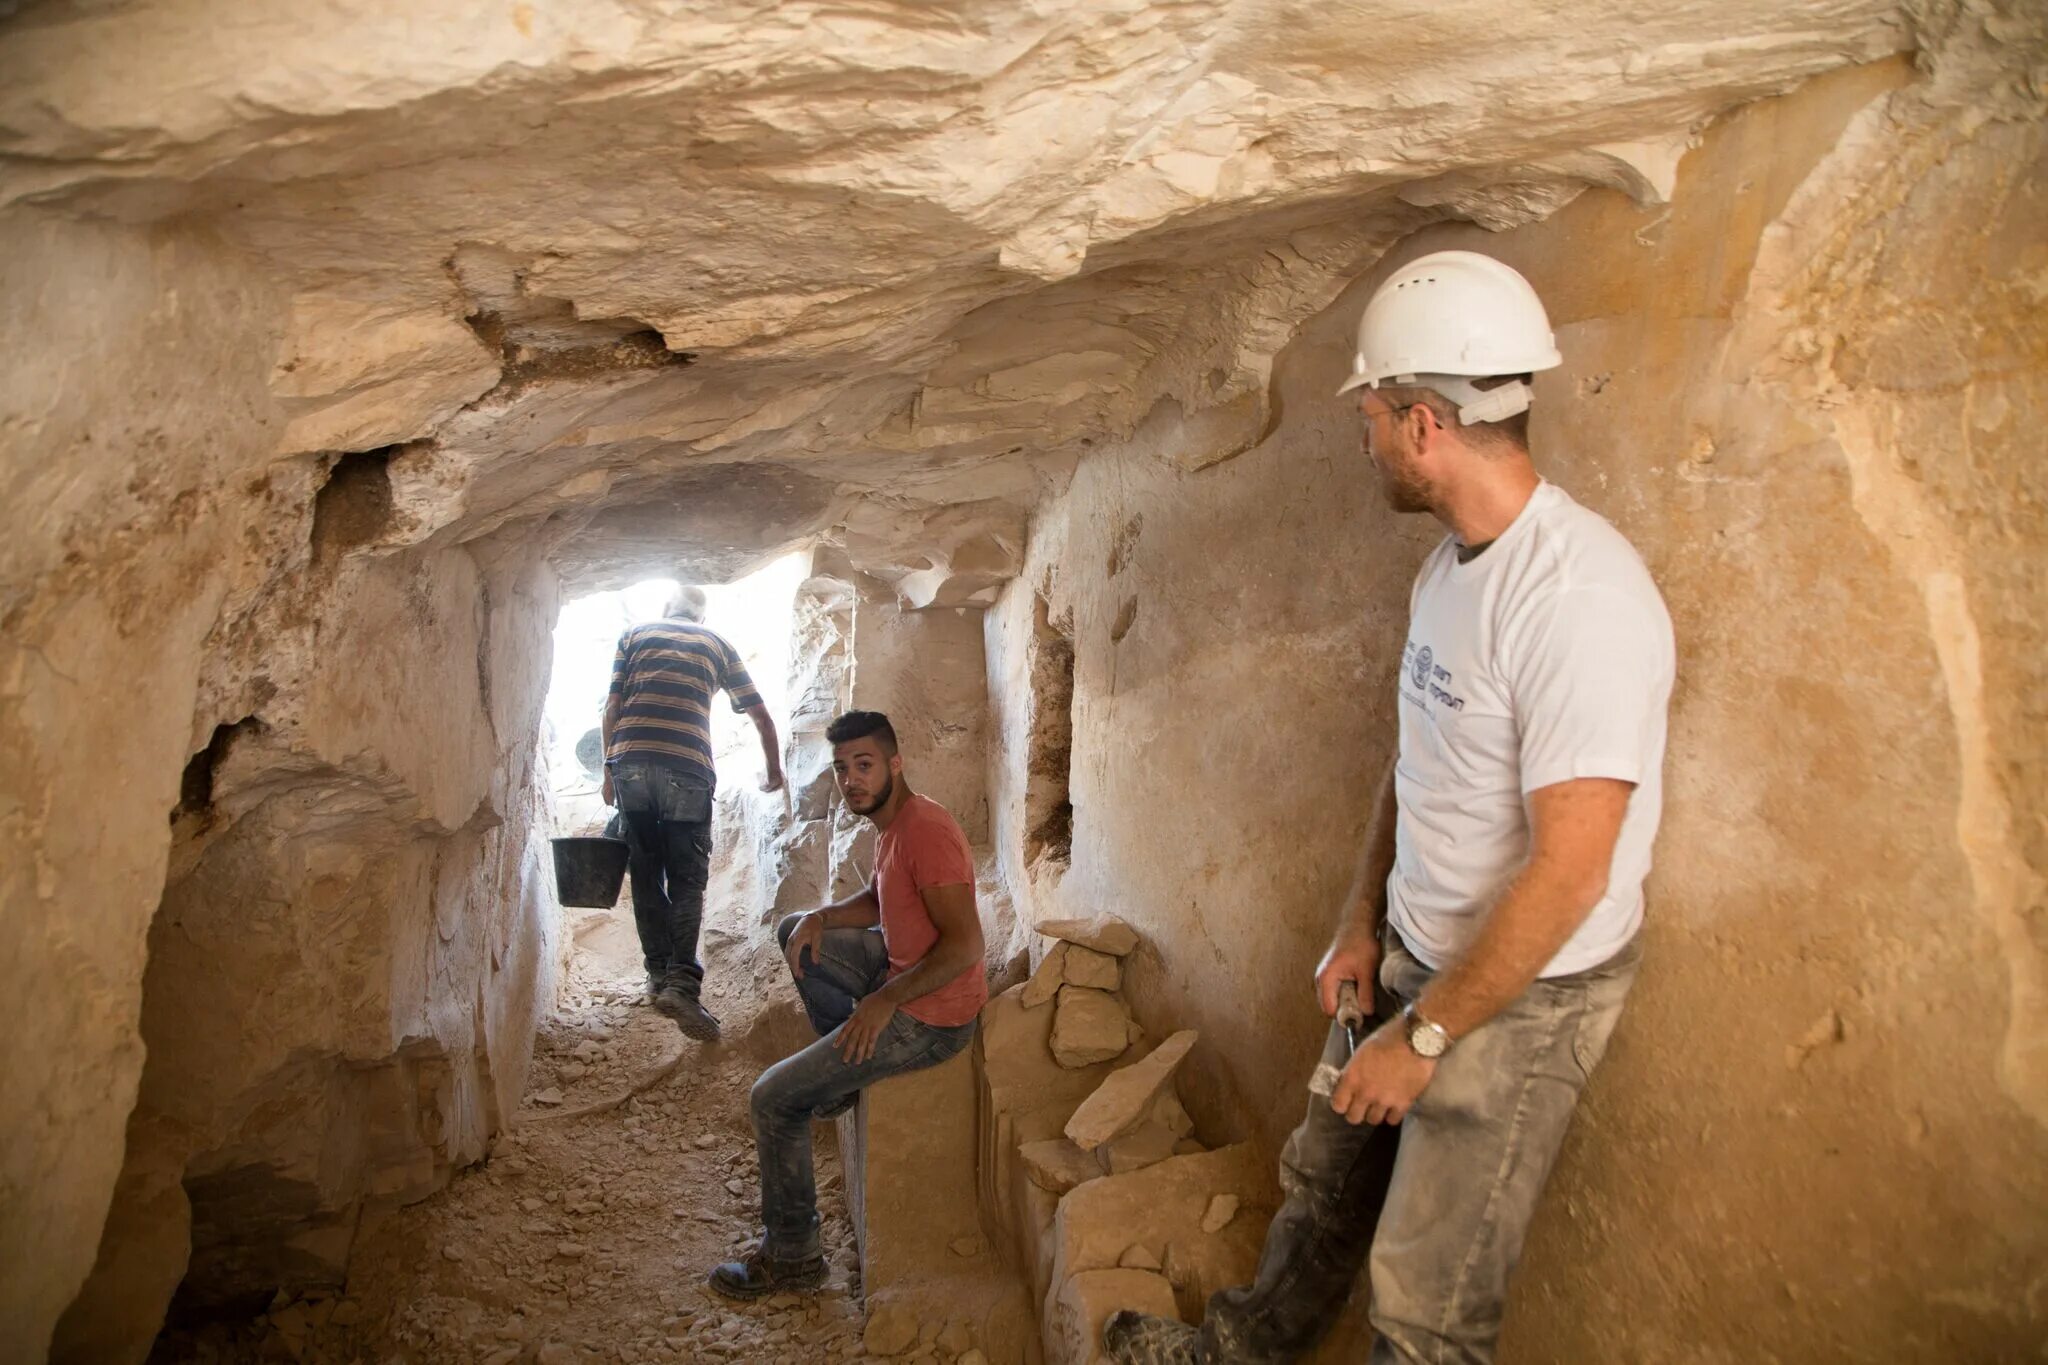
891	1329
1087	967
560	244
1089	1026
1057	1165
1121	1102
1162	1133
1045	983
1164	1207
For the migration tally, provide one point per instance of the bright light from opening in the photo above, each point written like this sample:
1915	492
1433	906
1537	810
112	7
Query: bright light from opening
644	600
753	614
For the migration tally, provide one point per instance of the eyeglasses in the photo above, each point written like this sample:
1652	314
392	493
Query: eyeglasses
1371	447
1397	408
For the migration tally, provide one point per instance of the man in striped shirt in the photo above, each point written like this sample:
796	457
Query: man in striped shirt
658	771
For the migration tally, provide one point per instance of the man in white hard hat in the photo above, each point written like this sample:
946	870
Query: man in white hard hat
1500	889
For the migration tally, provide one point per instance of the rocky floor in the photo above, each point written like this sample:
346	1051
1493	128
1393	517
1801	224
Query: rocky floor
584	1239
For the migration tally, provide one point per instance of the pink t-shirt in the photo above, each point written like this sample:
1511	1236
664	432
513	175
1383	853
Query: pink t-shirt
923	847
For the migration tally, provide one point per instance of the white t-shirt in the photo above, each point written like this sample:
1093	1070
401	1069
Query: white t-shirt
1546	658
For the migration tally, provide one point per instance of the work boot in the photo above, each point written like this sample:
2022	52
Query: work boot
1133	1338
653	987
688	1011
754	1276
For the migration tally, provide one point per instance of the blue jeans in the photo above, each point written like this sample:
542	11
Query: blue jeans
1436	1207
667	812
846	966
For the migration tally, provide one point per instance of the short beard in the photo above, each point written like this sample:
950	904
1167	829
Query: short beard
881	799
1406	492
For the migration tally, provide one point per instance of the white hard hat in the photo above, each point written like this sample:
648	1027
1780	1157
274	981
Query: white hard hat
1452	316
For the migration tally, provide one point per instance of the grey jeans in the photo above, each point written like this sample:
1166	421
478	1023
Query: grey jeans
1439	1206
847	966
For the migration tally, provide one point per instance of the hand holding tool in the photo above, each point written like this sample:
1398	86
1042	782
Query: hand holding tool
1351	1015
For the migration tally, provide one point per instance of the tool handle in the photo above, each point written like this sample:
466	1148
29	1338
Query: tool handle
1349	1012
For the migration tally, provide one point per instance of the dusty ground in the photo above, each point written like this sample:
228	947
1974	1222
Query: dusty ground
587	1239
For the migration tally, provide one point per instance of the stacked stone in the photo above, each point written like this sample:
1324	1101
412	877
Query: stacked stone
1092	1168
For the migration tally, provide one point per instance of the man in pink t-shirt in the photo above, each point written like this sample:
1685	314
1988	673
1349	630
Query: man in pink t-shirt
892	979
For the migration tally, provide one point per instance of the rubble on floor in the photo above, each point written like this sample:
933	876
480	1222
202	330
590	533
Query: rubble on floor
583	1241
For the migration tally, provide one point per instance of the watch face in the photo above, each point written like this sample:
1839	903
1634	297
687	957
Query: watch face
1428	1040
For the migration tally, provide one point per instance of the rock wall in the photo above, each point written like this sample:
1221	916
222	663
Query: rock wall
120	557
267	812
925	669
355	940
1809	390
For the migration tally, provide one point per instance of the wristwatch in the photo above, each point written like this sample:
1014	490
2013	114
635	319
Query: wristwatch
1426	1038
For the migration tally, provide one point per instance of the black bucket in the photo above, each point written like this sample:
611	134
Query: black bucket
588	872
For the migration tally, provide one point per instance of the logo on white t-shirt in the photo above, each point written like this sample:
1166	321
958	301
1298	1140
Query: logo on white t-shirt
1432	680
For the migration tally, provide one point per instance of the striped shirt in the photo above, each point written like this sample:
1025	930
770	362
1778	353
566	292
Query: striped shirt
662	679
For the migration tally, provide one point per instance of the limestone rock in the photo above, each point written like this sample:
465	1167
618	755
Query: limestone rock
1056	1164
908	1151
1045	983
1138	1257
1221	1210
954	1338
1143	1146
891	1330
1107	934
1122	1101
1026	1096
1088	1026
1074	1318
1086	967
1163	1206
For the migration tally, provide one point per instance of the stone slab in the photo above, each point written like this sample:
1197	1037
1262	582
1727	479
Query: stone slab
1023	1096
1086	967
1089	1026
1124	1100
1045	983
1163	1206
908	1149
1106	934
1057	1165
